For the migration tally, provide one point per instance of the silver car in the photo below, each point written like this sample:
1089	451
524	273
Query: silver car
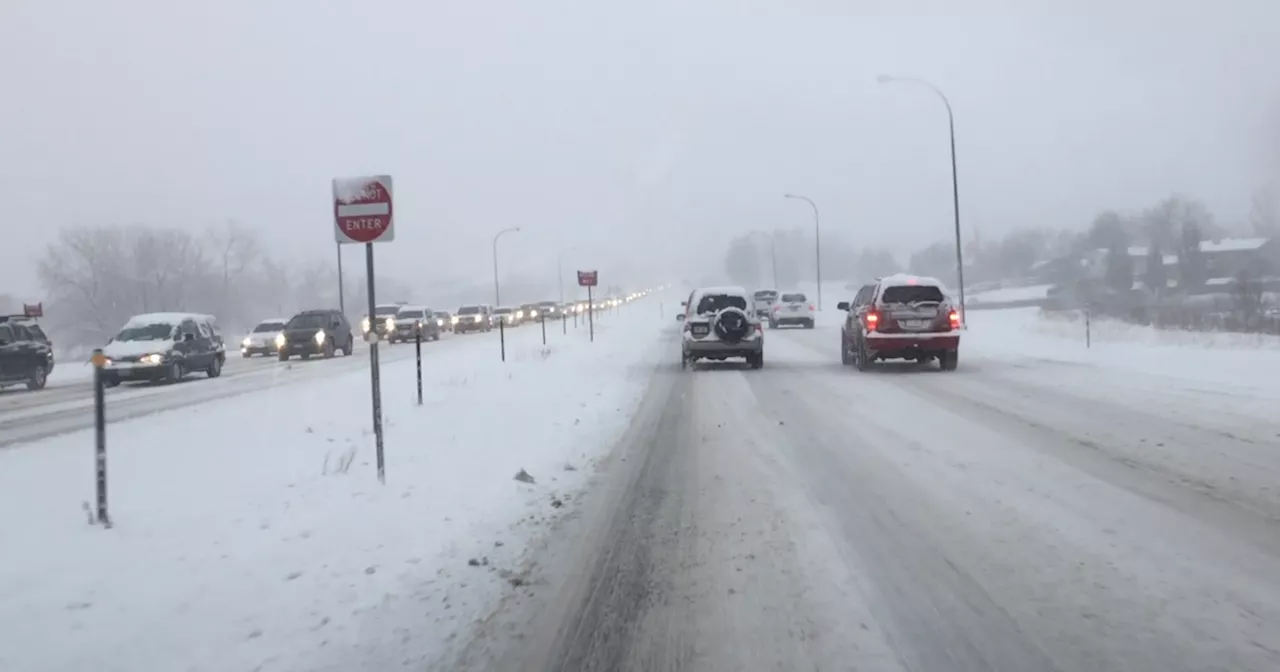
719	325
792	308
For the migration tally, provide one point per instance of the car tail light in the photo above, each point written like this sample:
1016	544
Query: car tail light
873	320
811	307
954	318
776	308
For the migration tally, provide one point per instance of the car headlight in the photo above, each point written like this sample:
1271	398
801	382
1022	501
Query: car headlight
280	340
153	358
319	337
440	322
477	319
454	319
246	342
533	313
364	324
390	323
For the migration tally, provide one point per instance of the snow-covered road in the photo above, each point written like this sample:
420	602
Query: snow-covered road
1022	514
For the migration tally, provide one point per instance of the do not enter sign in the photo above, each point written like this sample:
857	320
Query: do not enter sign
362	211
586	278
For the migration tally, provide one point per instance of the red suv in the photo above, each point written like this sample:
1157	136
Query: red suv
900	317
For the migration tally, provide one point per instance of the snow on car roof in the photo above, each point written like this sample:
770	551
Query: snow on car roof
165	318
904	280
273	319
730	290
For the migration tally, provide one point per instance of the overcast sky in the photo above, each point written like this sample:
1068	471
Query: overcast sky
633	130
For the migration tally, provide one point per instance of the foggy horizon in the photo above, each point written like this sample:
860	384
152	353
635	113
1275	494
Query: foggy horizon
647	136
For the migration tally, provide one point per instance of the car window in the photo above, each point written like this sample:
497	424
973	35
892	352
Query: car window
469	310
911	294
711	303
306	322
267	327
409	313
793	298
764	294
6	333
159	331
205	330
188	327
386	310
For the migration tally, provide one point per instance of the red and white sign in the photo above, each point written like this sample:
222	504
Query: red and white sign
362	210
586	278
33	309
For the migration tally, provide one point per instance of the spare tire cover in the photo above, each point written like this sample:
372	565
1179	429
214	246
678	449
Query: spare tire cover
732	325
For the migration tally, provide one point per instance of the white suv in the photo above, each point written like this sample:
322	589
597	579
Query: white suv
718	325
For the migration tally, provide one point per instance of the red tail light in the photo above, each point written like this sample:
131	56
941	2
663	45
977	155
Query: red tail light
776	308
954	317
811	306
872	320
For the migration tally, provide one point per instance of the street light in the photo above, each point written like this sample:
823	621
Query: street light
817	241
497	293
955	183
773	252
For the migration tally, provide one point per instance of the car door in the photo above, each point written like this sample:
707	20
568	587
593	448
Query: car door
10	366
206	342
186	344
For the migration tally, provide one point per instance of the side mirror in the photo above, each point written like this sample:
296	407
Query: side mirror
843	305
679	317
684	303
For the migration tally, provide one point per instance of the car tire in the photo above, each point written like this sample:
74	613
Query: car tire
948	361
110	381
684	361
245	355
861	360
38	378
174	374
809	324
756	361
215	368
282	357
845	358
328	349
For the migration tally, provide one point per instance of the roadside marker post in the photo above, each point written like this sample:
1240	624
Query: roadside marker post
542	317
417	349
100	436
362	214
502	339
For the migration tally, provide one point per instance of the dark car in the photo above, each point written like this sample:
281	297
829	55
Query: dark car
315	332
472	318
26	356
900	317
164	347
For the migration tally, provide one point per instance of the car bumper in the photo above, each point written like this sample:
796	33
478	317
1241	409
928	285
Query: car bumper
792	318
470	326
711	348
258	349
907	345
137	371
308	348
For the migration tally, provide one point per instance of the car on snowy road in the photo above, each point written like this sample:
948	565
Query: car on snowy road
414	320
472	318
262	339
164	347
718	325
792	308
323	332
900	317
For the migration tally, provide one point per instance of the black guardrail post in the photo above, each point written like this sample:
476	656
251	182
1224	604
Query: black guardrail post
100	436
417	349
502	338
542	317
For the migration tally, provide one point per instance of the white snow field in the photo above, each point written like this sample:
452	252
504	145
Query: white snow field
251	532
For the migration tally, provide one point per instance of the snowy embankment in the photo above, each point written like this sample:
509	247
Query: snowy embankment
1231	359
252	533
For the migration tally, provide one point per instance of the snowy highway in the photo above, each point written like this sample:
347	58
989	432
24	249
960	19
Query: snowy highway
67	405
1022	514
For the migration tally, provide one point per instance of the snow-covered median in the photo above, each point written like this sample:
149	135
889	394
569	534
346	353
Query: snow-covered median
252	533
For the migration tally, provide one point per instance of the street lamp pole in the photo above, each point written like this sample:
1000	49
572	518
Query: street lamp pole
817	241
497	292
955	182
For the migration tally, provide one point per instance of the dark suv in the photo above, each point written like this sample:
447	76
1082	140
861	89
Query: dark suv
315	332
26	356
900	317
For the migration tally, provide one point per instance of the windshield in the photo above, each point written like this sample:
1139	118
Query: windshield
386	310
911	294
502	311
793	298
149	332
712	303
306	322
442	314
268	326
765	294
469	310
409	313
548	304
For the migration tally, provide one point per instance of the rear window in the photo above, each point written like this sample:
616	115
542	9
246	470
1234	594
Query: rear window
386	310
912	294
469	310
765	294
712	303
793	298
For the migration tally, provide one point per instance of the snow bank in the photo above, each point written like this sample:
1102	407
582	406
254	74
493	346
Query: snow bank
252	533
1220	358
1029	293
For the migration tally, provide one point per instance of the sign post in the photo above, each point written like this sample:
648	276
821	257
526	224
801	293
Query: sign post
100	437
362	214
589	279
542	317
417	351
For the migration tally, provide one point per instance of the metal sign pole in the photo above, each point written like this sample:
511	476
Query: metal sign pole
375	377
100	436
417	347
502	338
542	317
342	299
591	312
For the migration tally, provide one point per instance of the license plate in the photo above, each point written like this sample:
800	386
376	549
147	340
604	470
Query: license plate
794	306
915	324
700	331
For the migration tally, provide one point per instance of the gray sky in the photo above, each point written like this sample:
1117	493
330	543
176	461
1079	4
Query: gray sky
642	131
